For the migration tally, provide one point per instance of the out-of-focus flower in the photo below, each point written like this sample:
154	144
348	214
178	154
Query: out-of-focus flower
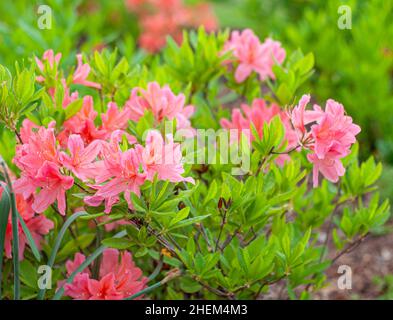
161	18
251	55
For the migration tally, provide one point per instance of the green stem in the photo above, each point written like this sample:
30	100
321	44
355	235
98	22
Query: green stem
171	275
59	238
15	234
157	269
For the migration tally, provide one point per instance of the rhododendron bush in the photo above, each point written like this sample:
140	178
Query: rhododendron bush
203	171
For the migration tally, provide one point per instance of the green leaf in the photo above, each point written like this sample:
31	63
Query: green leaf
117	243
29	238
73	108
57	244
28	274
181	215
188	222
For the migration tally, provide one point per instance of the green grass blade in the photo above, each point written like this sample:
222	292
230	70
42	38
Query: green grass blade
30	239
15	232
58	240
4	213
15	246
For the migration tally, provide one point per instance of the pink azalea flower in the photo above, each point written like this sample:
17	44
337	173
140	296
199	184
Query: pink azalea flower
258	114
160	18
163	159
298	119
40	147
26	130
68	98
115	119
273	54
81	159
82	123
53	187
330	165
254	56
162	102
332	127
51	58
124	169
38	225
117	280
330	137
82	72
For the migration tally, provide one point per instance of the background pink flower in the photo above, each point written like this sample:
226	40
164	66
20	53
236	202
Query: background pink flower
250	55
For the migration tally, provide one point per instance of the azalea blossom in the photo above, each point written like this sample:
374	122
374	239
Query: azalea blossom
81	160
117	279
82	123
124	169
161	18
332	127
162	102
51	58
253	56
39	162
330	135
163	158
329	165
38	148
82	72
115	119
53	187
258	114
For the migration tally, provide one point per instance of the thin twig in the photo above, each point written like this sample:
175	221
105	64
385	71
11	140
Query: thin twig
351	247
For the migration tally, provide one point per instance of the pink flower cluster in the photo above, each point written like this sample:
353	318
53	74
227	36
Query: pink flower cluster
160	18
93	155
162	102
258	114
328	133
250	55
123	172
38	225
117	279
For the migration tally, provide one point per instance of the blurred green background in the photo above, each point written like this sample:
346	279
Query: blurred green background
353	66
